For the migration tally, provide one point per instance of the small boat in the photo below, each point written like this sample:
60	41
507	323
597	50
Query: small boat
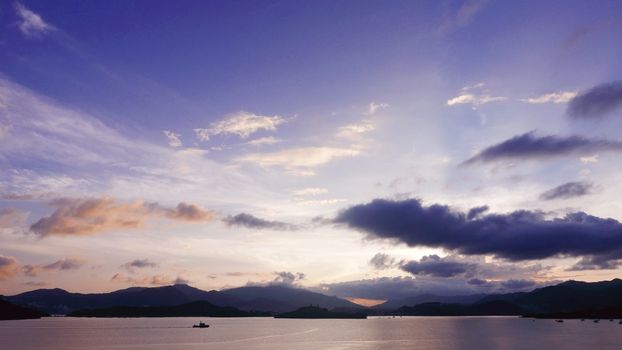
620	322
200	325
559	321
596	321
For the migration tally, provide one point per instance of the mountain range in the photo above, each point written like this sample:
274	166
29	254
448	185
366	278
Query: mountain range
571	297
275	299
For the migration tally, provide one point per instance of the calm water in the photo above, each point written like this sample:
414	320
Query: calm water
266	333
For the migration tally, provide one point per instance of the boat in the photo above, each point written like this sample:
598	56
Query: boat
200	325
596	321
559	321
620	322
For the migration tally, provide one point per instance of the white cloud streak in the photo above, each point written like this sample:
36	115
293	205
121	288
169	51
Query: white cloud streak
242	124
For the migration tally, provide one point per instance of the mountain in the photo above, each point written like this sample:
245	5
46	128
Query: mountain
9	311
393	304
266	298
193	309
571	299
489	308
570	296
318	312
283	299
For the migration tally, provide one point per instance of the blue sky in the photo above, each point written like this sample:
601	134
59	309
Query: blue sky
140	131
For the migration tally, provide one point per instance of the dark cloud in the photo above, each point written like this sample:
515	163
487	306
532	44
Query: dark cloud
596	263
477	211
288	278
407	287
382	261
596	102
139	264
434	265
568	190
250	221
530	146
477	282
518	284
520	235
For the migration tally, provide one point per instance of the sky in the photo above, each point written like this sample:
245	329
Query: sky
365	149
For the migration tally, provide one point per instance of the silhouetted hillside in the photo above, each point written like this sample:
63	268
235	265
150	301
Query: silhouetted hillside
393	304
318	312
490	308
9	311
193	309
269	298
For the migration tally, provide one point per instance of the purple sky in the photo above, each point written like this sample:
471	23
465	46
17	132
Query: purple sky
335	145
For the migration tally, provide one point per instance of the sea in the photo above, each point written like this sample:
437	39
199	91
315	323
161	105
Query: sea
429	333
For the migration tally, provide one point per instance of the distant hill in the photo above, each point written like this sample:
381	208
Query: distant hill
489	308
393	304
274	299
283	299
9	311
318	312
571	299
193	309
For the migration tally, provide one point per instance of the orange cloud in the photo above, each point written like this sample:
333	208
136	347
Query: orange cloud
59	265
8	267
79	216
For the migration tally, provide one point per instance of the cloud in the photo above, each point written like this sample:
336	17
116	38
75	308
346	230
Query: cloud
477	211
382	261
10	218
79	216
596	263
252	222
174	139
555	97
530	146
31	24
65	264
517	236
568	190
518	284
463	16
8	267
262	141
299	159
139	264
475	100
242	124
354	131
155	280
375	107
597	102
288	278
434	265
310	191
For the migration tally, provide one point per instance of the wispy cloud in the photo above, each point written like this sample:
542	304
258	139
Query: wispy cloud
65	264
355	131
88	216
555	97
474	95
10	218
253	222
568	190
310	191
139	264
174	139
31	24
242	124
262	141
375	107
299	159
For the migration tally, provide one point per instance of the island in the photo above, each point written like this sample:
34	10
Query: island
318	312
